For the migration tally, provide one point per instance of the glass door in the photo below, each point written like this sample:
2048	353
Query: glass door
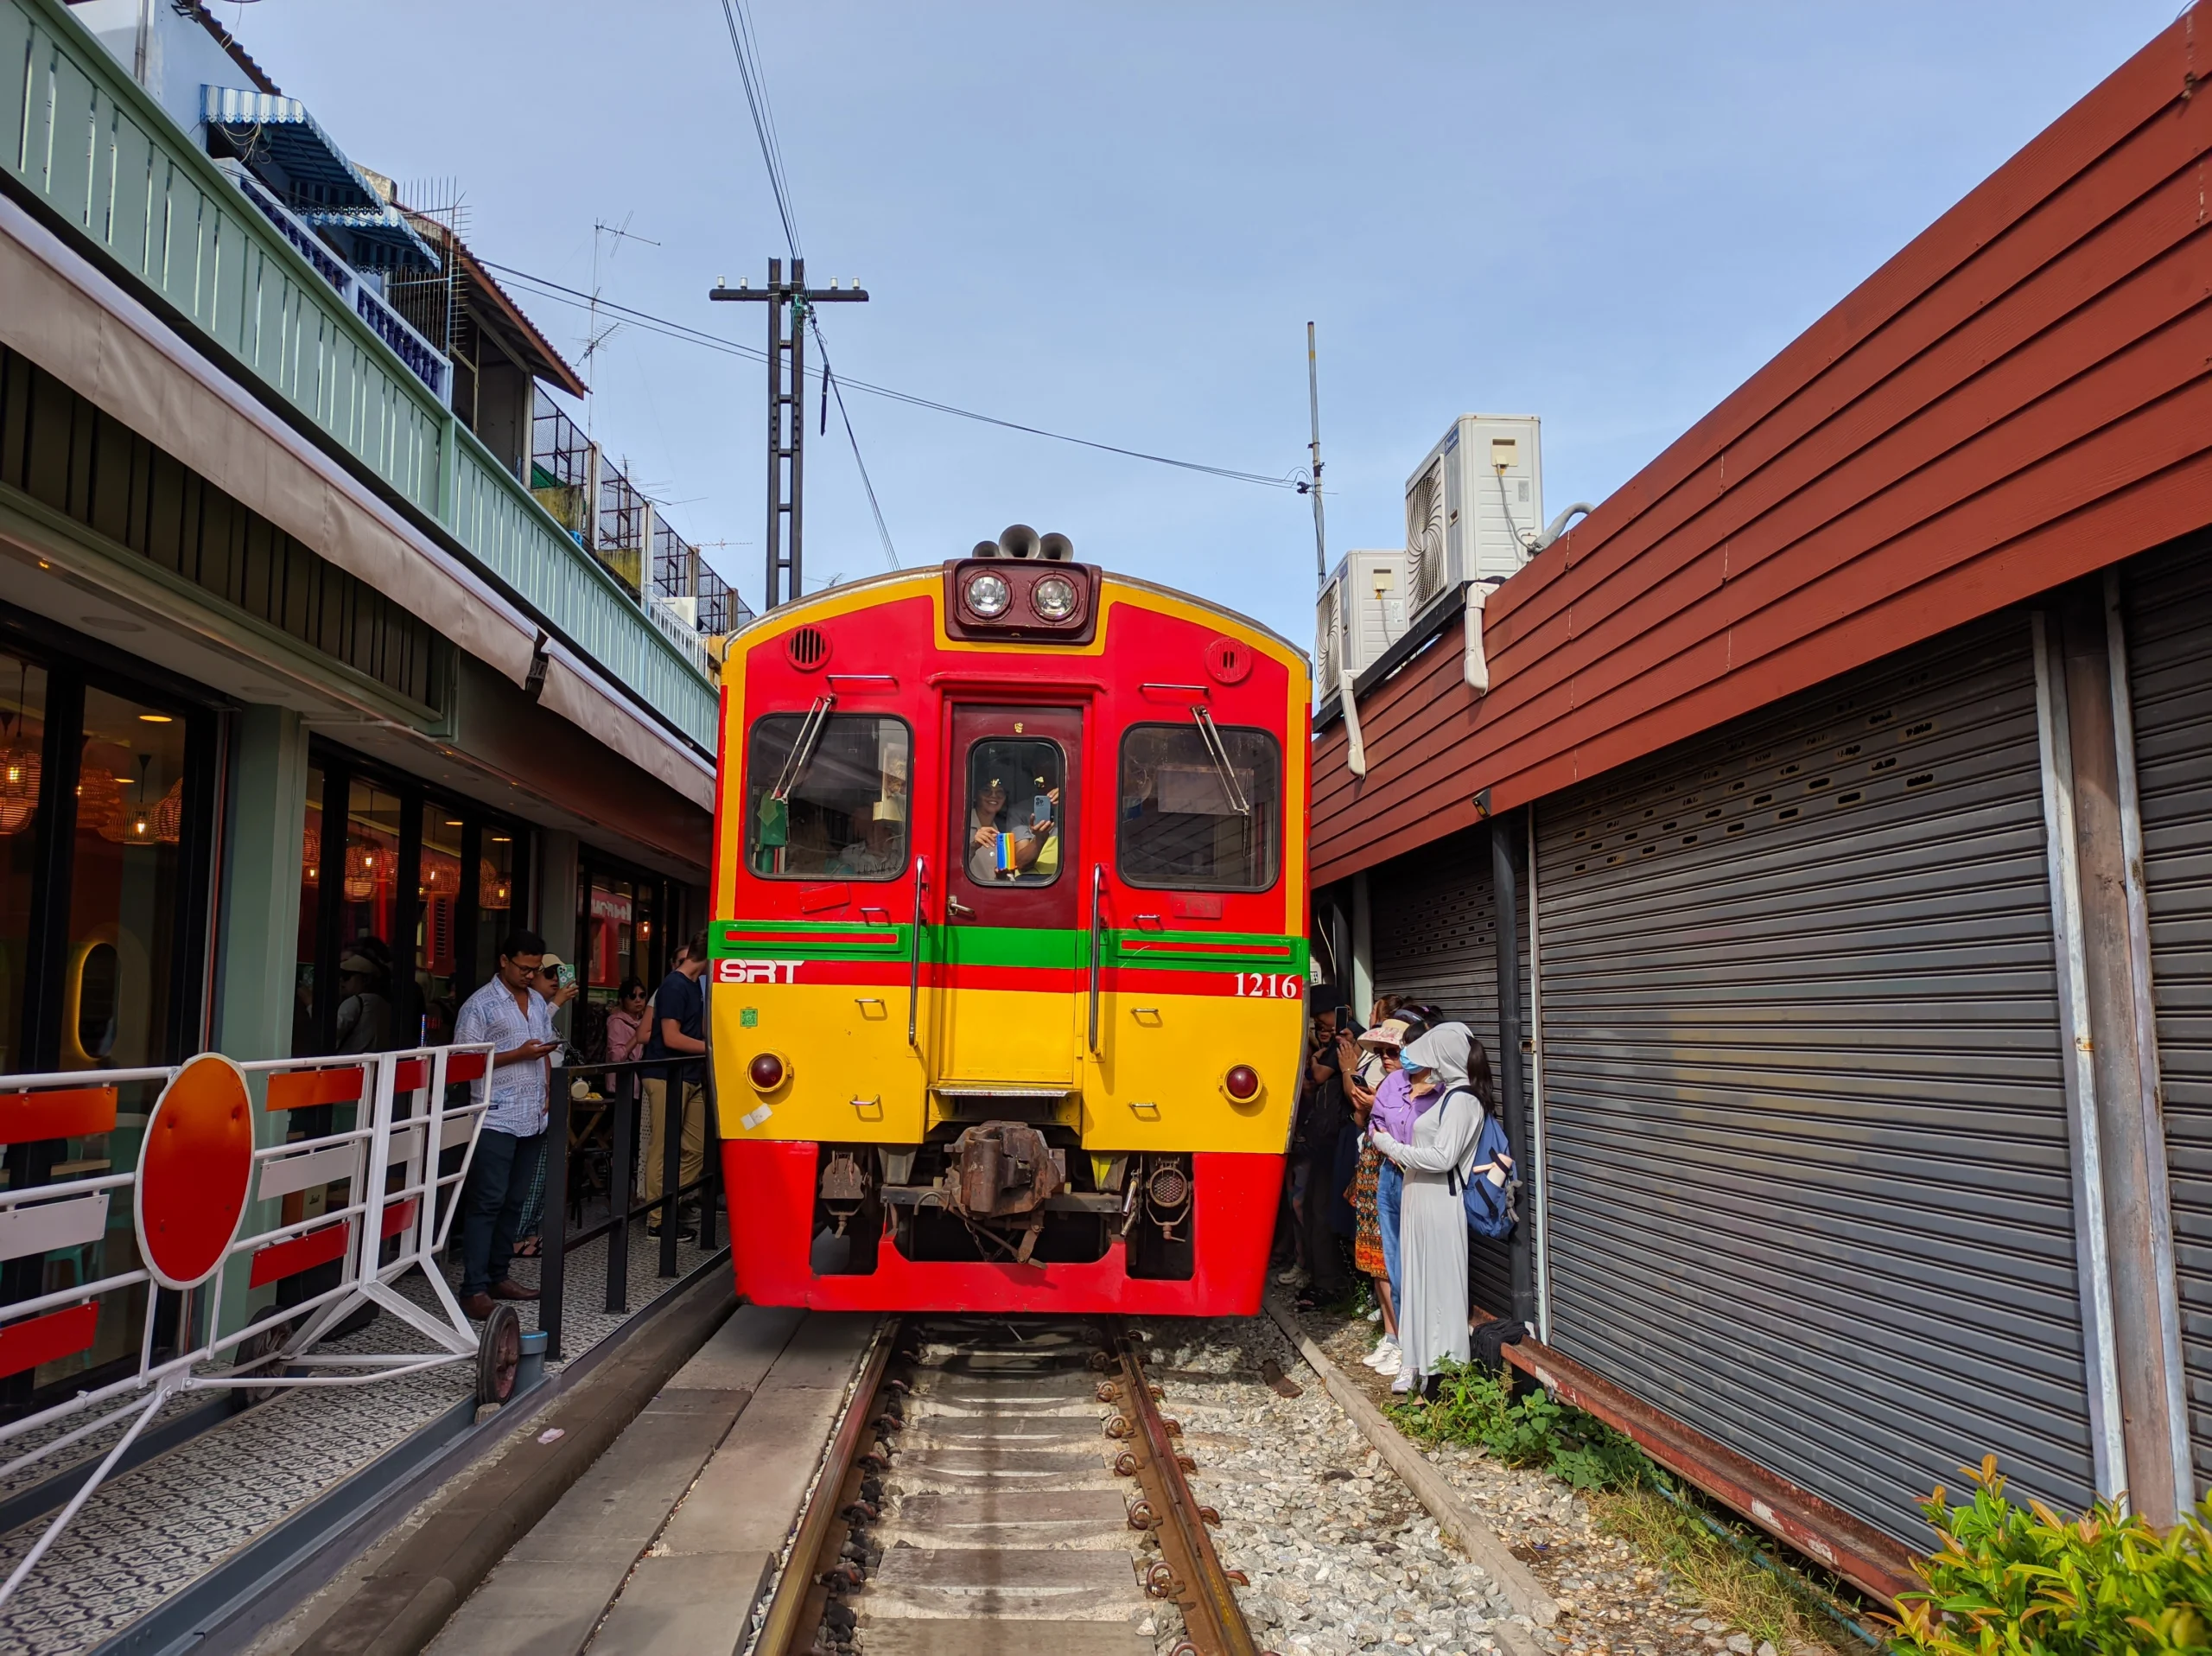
1011	897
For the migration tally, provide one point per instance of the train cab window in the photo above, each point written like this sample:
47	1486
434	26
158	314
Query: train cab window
826	797
1014	789
1191	816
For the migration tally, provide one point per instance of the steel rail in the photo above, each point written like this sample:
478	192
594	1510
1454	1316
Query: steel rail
786	1622
1212	1623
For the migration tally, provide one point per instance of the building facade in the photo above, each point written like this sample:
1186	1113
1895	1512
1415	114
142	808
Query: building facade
308	692
1837	813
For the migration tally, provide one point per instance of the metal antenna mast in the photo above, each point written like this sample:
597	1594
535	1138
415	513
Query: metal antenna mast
788	303
1314	405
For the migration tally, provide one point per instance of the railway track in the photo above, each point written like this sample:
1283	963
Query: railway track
1004	1485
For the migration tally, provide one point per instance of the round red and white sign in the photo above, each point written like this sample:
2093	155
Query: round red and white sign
195	1171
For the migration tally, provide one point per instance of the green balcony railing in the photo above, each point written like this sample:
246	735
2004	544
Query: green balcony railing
85	137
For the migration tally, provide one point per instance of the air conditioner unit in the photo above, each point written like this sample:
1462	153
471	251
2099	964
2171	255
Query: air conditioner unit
1474	506
1361	613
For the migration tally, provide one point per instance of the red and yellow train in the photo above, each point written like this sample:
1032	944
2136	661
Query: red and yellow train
1008	939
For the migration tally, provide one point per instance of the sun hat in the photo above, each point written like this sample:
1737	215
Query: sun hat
1391	1032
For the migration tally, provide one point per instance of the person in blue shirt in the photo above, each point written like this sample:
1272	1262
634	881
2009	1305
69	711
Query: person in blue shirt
679	1032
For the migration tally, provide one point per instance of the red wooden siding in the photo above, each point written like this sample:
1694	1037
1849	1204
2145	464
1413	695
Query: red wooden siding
2023	395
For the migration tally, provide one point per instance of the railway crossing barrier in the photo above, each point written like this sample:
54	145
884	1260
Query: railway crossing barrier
197	1178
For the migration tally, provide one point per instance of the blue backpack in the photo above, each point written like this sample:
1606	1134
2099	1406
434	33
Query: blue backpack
1488	1207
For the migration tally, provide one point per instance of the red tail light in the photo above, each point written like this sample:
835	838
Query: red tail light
765	1072
1242	1083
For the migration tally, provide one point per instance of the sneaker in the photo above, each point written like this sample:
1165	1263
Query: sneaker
1402	1385
1393	1361
1375	1314
1296	1276
1382	1347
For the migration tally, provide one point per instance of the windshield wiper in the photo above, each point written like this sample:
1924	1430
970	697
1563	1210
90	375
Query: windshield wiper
817	716
1218	751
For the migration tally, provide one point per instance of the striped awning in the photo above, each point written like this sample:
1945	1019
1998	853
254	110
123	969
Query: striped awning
286	149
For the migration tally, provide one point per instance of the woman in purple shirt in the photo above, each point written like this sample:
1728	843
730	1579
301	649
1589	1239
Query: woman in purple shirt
1396	1109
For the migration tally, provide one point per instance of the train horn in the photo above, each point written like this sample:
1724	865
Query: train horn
1018	540
1055	548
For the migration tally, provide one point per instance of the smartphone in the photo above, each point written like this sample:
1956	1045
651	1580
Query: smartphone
1040	808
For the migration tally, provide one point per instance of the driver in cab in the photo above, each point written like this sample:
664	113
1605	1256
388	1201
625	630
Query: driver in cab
1000	850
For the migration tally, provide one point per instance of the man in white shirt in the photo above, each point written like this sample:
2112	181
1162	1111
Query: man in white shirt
512	1017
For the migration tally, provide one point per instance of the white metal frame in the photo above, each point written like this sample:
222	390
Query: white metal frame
365	1154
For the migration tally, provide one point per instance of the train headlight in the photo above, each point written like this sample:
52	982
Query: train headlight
765	1072
987	595
1242	1083
1054	598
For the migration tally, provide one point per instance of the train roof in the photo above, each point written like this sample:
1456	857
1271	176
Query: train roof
783	614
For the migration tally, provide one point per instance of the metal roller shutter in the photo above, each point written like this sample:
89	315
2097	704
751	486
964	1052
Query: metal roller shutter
2169	615
1434	931
1805	1114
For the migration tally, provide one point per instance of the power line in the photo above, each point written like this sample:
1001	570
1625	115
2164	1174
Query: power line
831	387
545	288
742	42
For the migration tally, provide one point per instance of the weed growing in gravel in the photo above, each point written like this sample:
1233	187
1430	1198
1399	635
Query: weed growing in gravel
1472	1405
1533	1430
1732	1585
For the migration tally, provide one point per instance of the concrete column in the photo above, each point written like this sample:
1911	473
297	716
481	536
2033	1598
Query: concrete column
2130	1132
257	929
259	924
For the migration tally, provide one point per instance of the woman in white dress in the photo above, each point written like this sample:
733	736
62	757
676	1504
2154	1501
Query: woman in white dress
1432	1224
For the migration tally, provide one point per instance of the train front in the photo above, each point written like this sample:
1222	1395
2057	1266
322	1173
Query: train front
1009	949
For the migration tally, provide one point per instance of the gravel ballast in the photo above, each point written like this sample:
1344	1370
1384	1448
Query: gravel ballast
1343	1558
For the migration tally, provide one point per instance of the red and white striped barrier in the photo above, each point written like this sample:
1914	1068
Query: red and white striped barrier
198	1173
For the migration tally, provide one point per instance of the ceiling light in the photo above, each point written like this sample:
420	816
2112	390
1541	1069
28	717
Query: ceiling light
154	718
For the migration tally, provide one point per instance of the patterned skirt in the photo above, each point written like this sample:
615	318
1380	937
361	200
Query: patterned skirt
1367	1246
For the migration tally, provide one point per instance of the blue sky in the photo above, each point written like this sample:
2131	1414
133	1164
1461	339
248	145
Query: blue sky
1115	221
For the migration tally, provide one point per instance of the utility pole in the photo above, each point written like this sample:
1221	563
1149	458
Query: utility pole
1313	404
788	303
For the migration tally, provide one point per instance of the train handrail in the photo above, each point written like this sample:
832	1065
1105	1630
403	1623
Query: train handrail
1097	911
914	954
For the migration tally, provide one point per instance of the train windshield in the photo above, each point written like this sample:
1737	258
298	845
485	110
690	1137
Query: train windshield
826	796
1015	788
1199	808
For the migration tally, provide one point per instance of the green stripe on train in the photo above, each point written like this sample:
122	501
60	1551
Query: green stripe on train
1038	948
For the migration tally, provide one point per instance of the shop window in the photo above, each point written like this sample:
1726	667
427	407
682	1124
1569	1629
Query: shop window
368	896
121	958
307	1036
499	877
438	926
22	744
404	900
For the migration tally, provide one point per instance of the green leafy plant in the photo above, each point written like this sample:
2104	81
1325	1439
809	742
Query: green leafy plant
2010	1580
1472	1405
